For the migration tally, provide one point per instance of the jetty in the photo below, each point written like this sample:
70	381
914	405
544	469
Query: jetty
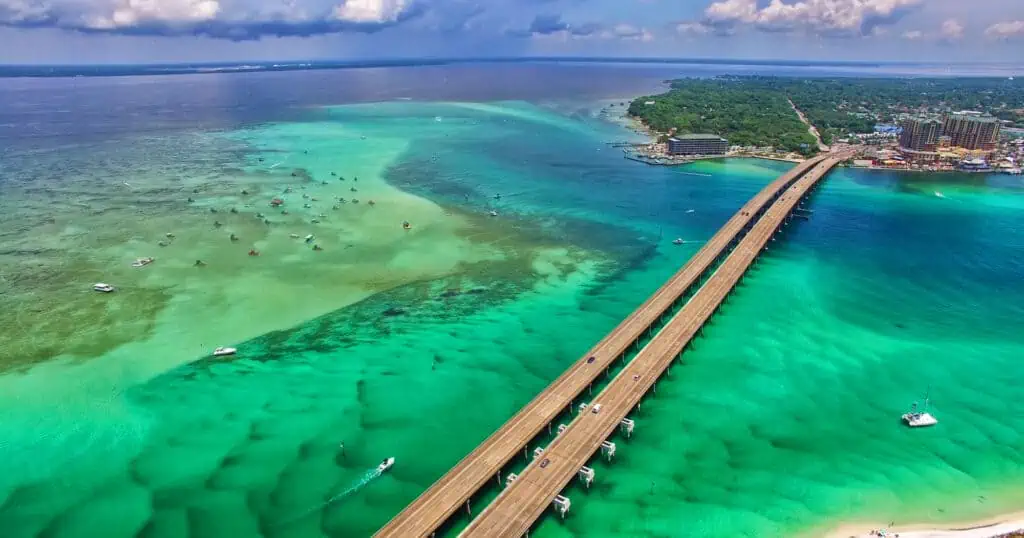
720	262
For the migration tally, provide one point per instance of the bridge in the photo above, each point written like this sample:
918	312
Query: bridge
724	257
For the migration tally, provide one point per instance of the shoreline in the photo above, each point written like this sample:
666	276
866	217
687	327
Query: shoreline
992	527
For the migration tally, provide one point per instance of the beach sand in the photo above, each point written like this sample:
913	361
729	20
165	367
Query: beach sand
987	528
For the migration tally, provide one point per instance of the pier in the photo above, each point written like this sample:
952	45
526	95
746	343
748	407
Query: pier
527	495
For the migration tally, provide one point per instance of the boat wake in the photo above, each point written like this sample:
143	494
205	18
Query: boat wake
369	476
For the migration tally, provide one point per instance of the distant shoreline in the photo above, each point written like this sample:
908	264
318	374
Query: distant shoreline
997	70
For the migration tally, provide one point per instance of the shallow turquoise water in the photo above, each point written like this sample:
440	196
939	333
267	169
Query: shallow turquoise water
783	418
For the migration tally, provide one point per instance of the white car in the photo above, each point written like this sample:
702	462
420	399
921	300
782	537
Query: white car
596	409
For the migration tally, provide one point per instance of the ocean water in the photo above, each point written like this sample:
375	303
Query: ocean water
417	343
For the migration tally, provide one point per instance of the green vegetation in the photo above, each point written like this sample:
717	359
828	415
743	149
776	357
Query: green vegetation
745	116
837	107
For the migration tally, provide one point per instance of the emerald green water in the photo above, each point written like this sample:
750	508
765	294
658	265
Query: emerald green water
417	344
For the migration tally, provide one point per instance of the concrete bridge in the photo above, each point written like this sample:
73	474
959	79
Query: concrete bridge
712	273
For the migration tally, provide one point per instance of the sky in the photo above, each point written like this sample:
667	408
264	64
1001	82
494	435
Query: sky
168	31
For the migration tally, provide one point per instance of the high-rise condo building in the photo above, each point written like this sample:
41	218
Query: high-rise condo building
920	134
972	130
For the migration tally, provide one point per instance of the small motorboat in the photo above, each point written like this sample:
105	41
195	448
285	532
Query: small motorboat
103	288
142	262
678	241
309	238
494	213
254	252
385	465
406	225
371	202
293	236
224	351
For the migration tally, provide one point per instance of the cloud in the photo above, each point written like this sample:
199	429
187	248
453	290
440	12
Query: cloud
951	30
1006	30
821	17
691	28
547	24
226	19
550	24
629	32
913	35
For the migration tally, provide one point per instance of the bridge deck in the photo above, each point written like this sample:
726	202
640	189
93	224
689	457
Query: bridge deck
521	503
432	508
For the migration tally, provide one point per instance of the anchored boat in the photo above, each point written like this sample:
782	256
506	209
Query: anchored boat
919	419
224	351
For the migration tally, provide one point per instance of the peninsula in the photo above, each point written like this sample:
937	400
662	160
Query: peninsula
973	124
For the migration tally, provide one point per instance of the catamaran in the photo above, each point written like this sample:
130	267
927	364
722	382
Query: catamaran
918	419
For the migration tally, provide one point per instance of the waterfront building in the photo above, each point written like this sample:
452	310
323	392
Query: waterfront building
972	130
698	144
920	134
974	165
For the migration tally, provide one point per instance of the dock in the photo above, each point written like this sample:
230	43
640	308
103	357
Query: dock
452	491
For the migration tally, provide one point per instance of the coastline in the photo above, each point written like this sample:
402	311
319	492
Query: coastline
637	126
992	527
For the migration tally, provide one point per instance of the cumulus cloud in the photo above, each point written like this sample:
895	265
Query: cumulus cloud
951	30
228	19
1006	30
823	17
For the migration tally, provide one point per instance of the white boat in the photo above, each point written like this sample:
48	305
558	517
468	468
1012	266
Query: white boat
385	465
142	262
678	241
494	213
918	419
224	351
101	287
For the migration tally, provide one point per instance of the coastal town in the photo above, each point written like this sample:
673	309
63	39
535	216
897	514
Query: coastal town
928	137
